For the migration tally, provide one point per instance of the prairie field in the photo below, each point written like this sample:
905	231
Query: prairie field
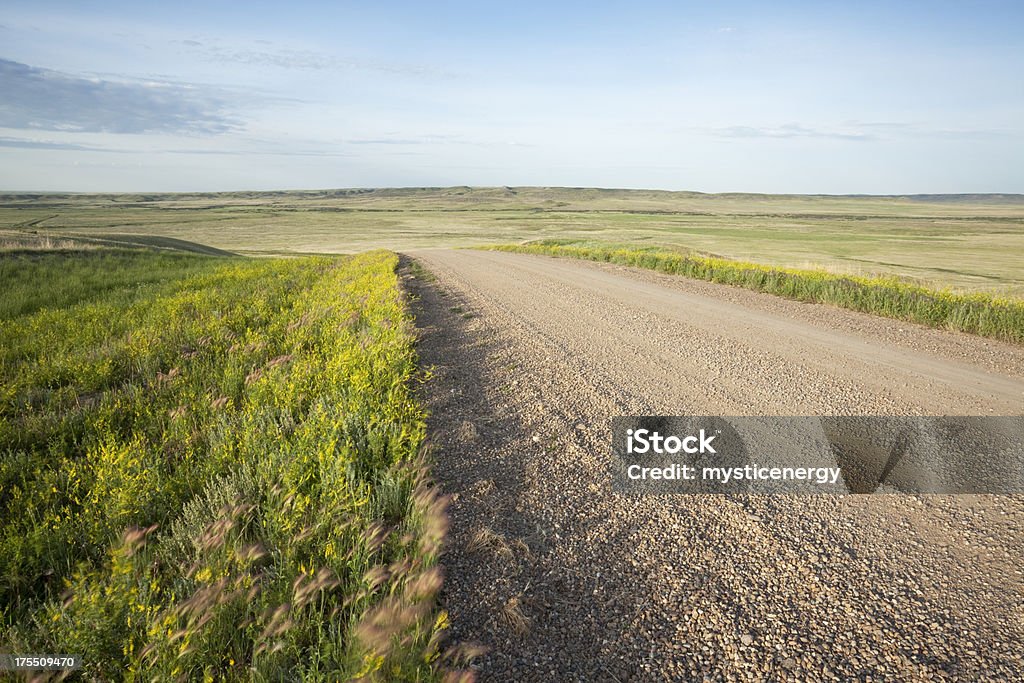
211	427
210	467
964	242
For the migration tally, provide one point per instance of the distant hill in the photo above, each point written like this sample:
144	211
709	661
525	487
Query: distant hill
466	192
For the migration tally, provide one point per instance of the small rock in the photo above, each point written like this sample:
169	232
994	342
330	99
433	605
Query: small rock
747	639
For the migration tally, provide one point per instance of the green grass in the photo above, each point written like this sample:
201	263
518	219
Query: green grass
32	281
981	314
969	243
210	468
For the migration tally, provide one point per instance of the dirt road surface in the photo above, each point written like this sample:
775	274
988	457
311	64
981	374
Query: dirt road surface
562	579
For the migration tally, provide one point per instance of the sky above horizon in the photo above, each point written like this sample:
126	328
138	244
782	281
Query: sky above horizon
797	97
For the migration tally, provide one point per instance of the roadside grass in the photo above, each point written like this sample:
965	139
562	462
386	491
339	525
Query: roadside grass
976	313
211	469
417	271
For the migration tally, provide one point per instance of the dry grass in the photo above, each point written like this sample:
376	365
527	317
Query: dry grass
512	613
14	240
486	540
520	548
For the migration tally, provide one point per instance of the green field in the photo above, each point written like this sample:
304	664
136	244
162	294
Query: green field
967	242
210	467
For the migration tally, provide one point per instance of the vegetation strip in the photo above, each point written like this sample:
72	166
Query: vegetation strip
210	468
982	314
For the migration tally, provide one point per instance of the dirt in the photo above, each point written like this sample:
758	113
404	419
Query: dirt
563	579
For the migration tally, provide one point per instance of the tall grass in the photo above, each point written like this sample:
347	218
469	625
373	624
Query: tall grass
215	473
982	314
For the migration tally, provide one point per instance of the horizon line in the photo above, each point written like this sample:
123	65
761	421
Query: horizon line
376	188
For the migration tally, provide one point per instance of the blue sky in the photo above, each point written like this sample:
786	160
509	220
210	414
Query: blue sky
746	96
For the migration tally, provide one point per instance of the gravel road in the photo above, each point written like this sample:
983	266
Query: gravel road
562	579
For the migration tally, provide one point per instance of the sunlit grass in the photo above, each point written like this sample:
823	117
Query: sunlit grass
982	314
210	469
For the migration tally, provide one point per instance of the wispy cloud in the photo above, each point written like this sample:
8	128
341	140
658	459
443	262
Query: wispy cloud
434	139
391	141
854	131
249	150
289	58
391	138
22	143
911	129
42	99
256	152
789	130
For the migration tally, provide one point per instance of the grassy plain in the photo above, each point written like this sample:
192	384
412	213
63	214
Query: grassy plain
967	242
210	465
210	468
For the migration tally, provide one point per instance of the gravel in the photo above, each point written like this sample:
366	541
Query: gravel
561	579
